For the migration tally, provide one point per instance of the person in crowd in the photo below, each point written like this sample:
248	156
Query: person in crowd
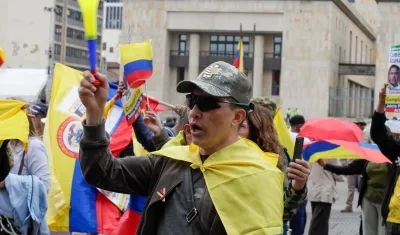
298	222
372	190
30	173
259	128
390	147
38	112
219	100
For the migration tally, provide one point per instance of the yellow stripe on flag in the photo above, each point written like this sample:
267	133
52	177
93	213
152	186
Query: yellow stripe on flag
283	133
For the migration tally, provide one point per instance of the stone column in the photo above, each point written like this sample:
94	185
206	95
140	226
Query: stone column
258	66
352	99
358	100
194	50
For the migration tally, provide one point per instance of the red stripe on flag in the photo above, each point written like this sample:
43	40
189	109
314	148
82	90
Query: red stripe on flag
108	215
121	137
153	103
128	223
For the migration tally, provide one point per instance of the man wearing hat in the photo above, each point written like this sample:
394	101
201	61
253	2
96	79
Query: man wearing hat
208	187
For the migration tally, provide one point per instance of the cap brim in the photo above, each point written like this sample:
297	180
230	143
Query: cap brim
190	86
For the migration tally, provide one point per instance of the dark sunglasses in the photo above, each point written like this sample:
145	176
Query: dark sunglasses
208	103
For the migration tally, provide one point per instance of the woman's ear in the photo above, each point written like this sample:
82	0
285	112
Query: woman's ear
240	116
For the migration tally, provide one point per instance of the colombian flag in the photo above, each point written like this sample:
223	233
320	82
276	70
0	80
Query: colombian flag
340	149
2	57
238	60
75	206
137	59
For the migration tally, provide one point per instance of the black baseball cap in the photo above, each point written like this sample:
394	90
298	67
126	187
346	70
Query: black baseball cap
220	79
39	109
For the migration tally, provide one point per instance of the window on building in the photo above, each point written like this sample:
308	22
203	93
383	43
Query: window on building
113	15
221	45
76	15
111	49
58	10
277	46
75	34
180	74
350	46
352	1
104	46
182	44
57	49
57	30
76	53
276	82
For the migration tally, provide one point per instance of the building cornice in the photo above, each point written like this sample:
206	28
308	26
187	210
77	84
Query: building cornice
356	18
378	1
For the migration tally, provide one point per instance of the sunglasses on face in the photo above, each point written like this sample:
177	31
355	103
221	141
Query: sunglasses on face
206	103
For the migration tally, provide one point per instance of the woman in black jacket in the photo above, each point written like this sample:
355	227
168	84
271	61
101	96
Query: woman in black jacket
372	190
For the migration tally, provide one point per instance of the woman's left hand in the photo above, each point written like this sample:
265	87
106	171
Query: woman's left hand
298	172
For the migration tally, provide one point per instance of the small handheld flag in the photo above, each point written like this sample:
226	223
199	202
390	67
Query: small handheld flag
89	13
137	59
2	57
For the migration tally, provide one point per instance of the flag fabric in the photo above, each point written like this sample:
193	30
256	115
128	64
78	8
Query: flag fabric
230	173
339	149
137	59
2	57
282	130
14	122
153	103
238	60
130	220
75	206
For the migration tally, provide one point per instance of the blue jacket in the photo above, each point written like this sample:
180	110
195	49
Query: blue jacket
25	201
144	135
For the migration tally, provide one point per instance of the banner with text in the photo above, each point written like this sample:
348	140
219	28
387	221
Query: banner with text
392	104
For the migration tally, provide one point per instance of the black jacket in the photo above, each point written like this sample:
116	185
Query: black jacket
391	149
356	167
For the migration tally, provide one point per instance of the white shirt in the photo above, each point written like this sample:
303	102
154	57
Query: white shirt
294	135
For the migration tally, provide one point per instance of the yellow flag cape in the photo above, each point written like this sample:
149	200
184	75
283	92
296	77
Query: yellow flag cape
246	190
14	122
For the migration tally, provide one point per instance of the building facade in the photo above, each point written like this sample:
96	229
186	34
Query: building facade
112	24
70	46
321	57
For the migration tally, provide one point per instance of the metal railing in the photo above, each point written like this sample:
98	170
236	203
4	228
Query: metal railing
57	37
58	18
77	42
76	60
178	53
73	3
224	54
346	103
74	22
272	55
57	58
